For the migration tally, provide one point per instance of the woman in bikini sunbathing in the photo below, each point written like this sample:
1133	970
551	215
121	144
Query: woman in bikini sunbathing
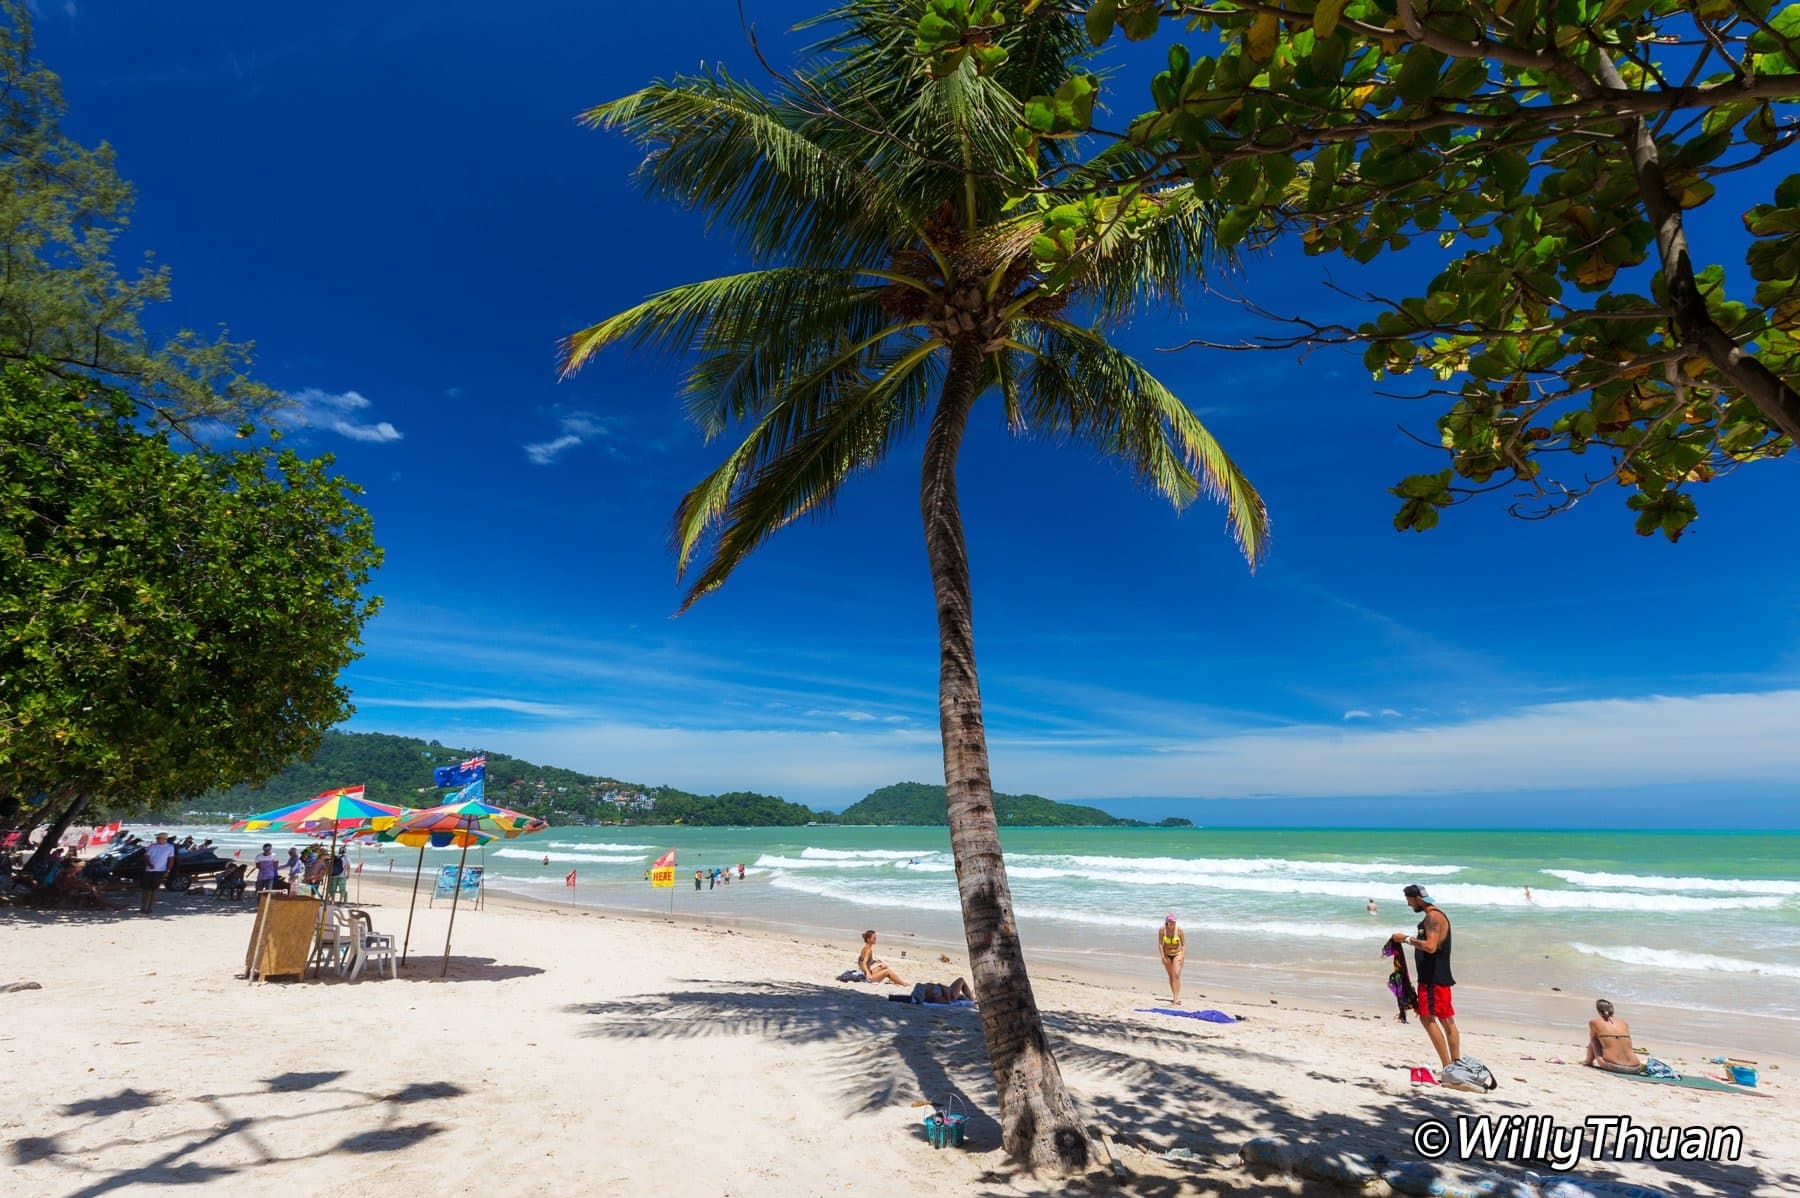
1609	1042
872	969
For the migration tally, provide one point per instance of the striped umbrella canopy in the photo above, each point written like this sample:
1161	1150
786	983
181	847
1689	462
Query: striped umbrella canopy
390	834
339	810
469	816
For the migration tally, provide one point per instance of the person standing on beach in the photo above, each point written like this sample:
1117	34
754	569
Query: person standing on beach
1171	943
157	859
1431	966
266	869
696	879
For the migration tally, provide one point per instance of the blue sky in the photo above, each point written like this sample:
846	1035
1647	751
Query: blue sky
395	202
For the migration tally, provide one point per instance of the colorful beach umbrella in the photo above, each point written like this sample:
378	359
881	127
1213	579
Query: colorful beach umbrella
468	816
330	812
342	810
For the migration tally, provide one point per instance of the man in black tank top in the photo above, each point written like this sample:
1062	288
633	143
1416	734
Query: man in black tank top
1431	959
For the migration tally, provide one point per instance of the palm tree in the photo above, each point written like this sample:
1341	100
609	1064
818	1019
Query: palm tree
901	286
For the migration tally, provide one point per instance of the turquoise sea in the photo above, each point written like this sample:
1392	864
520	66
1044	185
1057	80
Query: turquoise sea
1705	921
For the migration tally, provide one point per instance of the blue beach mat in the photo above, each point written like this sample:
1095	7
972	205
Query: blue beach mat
1208	1016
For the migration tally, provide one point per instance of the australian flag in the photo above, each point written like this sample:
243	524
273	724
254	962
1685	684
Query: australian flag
472	770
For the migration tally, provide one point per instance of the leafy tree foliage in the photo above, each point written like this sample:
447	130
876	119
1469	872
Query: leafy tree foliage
1550	152
63	302
169	621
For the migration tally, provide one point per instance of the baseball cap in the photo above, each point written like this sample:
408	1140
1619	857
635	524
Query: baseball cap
1416	891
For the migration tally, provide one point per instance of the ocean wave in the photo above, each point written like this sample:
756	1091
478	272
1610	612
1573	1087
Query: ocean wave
598	846
1663	958
901	899
812	854
773	861
1173	870
600	858
1465	894
1241	866
1580	877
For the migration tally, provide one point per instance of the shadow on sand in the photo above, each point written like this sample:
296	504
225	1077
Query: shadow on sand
380	1122
1151	1089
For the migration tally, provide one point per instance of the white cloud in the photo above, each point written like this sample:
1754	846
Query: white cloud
542	453
576	428
855	717
1356	713
1555	747
1567	746
480	703
335	412
1389	713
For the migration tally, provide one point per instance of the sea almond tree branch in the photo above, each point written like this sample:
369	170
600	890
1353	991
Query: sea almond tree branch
1693	323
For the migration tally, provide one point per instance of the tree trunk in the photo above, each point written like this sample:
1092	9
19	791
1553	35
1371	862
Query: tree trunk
1038	1123
57	828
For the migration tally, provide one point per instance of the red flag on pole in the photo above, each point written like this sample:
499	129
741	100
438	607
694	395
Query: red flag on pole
666	861
570	879
239	853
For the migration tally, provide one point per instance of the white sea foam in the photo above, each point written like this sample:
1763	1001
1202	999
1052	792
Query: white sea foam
597	846
813	854
600	858
909	898
775	861
1663	958
1655	882
1240	866
1465	894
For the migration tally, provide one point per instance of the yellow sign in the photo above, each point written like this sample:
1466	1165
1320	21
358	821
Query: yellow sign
662	875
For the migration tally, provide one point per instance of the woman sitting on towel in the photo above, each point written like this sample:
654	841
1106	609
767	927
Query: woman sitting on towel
1609	1042
872	969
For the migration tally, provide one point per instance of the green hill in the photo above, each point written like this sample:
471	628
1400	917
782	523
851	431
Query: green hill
397	769
921	803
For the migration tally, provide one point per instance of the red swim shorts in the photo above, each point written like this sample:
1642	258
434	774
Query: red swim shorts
1434	1002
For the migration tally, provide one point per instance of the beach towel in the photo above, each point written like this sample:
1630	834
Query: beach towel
852	975
1208	1016
1400	983
913	999
1690	1083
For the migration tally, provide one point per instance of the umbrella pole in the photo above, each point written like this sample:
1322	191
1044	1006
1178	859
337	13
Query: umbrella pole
319	932
454	895
413	906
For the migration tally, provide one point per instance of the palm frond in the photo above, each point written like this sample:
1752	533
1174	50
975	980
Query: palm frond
869	411
752	165
742	372
730	309
1076	384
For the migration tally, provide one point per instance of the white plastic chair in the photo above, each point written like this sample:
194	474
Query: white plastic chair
366	945
333	943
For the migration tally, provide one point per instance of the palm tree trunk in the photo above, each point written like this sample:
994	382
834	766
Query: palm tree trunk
1038	1123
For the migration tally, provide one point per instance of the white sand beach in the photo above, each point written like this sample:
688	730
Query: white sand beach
580	1052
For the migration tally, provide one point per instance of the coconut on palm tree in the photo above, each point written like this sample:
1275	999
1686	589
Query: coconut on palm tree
906	274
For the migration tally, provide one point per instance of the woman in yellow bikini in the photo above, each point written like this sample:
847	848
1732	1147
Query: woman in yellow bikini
1171	942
